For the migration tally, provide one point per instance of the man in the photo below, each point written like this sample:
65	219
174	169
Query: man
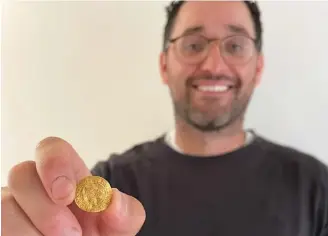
208	176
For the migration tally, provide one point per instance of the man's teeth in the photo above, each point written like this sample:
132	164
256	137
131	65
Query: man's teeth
213	88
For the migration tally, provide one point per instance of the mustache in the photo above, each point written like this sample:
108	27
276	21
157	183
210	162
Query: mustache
192	79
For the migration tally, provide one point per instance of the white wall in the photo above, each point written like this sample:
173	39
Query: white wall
88	72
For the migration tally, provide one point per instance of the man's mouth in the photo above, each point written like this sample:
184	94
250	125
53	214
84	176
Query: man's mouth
213	88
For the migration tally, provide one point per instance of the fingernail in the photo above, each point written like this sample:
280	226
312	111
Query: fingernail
61	188
71	232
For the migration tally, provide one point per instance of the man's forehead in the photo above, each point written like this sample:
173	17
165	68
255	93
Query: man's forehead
214	18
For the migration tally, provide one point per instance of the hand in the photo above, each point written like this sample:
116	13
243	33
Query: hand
39	199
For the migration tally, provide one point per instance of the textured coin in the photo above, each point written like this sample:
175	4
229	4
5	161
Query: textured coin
93	194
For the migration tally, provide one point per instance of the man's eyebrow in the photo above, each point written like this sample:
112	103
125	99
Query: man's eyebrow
194	29
238	29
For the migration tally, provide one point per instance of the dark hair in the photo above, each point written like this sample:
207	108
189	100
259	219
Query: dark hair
173	9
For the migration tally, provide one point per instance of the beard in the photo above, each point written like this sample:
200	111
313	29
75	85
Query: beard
216	117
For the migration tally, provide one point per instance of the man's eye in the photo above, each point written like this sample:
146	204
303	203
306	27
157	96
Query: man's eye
195	47
234	48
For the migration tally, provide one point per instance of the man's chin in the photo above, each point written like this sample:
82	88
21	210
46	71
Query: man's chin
211	112
207	128
209	124
209	120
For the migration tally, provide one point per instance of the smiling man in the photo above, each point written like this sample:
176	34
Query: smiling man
208	176
212	62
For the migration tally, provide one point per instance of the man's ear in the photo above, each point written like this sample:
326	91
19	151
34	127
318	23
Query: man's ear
259	68
163	67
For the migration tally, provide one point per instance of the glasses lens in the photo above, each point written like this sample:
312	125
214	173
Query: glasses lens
237	49
234	49
192	48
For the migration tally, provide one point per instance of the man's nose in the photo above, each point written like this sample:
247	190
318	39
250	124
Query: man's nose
214	62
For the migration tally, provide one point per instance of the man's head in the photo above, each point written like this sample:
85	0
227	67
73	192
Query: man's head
212	60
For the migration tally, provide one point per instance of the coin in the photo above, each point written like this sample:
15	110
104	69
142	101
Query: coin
93	194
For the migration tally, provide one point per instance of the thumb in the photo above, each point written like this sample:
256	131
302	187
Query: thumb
60	168
124	216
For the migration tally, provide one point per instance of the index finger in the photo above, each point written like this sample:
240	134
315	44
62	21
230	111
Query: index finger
60	168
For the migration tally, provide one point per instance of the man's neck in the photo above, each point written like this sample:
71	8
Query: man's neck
195	142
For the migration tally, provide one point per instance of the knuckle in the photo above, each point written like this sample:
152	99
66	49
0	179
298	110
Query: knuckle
13	219
8	203
50	149
5	195
18	173
49	142
51	226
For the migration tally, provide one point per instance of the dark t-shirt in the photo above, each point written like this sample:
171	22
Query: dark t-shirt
263	189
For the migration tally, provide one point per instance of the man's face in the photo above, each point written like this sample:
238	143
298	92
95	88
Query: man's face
213	92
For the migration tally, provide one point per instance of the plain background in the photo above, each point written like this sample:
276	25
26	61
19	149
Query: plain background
88	72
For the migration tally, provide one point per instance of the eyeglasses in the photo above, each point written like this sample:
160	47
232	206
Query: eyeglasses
193	49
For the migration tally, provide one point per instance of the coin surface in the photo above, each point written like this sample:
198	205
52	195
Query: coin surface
93	194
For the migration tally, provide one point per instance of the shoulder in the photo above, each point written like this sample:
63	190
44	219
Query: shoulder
138	154
292	159
309	173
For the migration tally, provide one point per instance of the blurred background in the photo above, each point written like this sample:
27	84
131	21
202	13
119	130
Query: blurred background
88	72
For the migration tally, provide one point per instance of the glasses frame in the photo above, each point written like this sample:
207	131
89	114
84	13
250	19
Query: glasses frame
211	40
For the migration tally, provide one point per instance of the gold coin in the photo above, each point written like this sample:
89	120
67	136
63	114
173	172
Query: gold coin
93	194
